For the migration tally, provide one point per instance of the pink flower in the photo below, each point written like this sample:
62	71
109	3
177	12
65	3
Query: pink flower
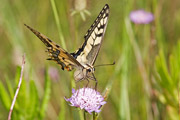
86	98
141	17
53	73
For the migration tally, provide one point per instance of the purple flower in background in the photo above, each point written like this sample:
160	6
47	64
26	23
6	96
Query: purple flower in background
86	98
141	17
53	73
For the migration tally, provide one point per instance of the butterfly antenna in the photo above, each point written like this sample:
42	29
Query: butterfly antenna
105	64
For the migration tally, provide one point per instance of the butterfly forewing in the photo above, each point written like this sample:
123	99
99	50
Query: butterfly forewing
56	53
88	52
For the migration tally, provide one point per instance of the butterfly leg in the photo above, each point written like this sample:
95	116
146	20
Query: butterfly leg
87	82
81	80
94	78
77	92
84	78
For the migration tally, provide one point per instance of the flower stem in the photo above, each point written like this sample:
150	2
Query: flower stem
57	20
84	115
95	116
17	90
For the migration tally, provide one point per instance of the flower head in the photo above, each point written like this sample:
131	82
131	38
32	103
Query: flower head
80	8
86	98
141	17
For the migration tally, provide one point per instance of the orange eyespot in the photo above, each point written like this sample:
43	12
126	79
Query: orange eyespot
67	68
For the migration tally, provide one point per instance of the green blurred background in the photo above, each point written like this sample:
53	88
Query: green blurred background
142	85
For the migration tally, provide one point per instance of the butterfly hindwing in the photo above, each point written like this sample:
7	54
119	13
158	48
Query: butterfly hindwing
88	52
56	53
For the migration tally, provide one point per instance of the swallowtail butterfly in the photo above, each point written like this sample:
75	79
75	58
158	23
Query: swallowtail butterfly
84	58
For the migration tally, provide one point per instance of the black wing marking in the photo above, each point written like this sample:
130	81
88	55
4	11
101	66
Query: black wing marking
56	53
88	52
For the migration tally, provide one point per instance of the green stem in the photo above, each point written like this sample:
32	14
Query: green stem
58	24
138	57
84	115
141	65
95	116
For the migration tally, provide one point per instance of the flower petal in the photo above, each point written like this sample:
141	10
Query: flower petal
87	99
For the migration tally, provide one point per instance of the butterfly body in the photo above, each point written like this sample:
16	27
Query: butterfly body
83	59
83	73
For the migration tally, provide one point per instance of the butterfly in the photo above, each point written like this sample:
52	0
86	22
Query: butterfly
84	58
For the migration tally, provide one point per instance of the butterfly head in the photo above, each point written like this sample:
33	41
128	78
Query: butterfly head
90	70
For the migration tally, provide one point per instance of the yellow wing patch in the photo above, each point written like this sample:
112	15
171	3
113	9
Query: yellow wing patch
88	52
